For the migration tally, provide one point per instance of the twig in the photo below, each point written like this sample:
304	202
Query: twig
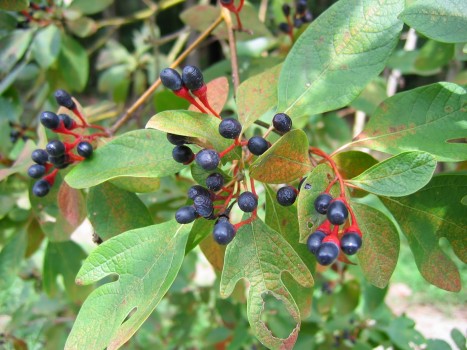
127	115
233	48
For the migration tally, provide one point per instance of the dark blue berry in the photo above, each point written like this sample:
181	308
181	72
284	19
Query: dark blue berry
286	196
297	22
67	121
55	148
223	232
192	78
182	154
322	203
301	6
40	156
286	10
282	122
186	214
351	242
36	171
327	253
198	190
177	140
337	212
247	202
50	120
208	159
64	99
257	145
284	27
230	128
58	160
314	241
41	188
84	149
203	206
215	181
171	79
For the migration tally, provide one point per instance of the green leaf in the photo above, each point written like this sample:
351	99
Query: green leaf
14	5
459	339
112	211
82	27
284	220
139	153
200	175
137	184
10	258
380	248
260	255
46	46
434	55
424	217
443	21
348	297
257	95
89	7
12	49
412	120
64	258
338	55
193	124
285	161
308	218
74	64
397	176
437	344
102	320
200	230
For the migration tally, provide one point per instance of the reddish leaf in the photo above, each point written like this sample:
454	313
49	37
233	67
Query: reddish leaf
218	91
71	204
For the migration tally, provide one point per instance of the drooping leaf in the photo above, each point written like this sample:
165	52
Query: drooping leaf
74	64
217	93
10	258
14	5
64	258
12	49
315	184
139	153
397	176
285	161
112	211
424	217
257	95
199	231
260	254
46	46
71	204
193	124
443	21
35	238
102	321
213	251
284	220
89	7
380	249
412	120
338	55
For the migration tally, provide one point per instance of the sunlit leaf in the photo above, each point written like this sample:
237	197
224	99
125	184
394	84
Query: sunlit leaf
217	93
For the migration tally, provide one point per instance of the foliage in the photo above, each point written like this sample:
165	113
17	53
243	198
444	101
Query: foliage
402	175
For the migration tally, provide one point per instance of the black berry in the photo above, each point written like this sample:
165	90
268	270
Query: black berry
186	214
177	140
58	160
36	171
50	120
286	10
41	188
198	190
314	241
224	231
247	202
182	154
327	253
14	134
257	145
40	156
297	22
286	196
203	206
351	242
284	27
171	79
192	77
64	164
55	148
84	149
282	122
64	99
337	212
215	181
230	128
67	121
301	6
208	159
322	203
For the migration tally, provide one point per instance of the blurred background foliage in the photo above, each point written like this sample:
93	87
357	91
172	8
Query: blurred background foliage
107	53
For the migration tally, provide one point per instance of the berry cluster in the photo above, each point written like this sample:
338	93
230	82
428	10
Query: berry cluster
58	154
29	15
190	85
325	243
19	131
301	16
